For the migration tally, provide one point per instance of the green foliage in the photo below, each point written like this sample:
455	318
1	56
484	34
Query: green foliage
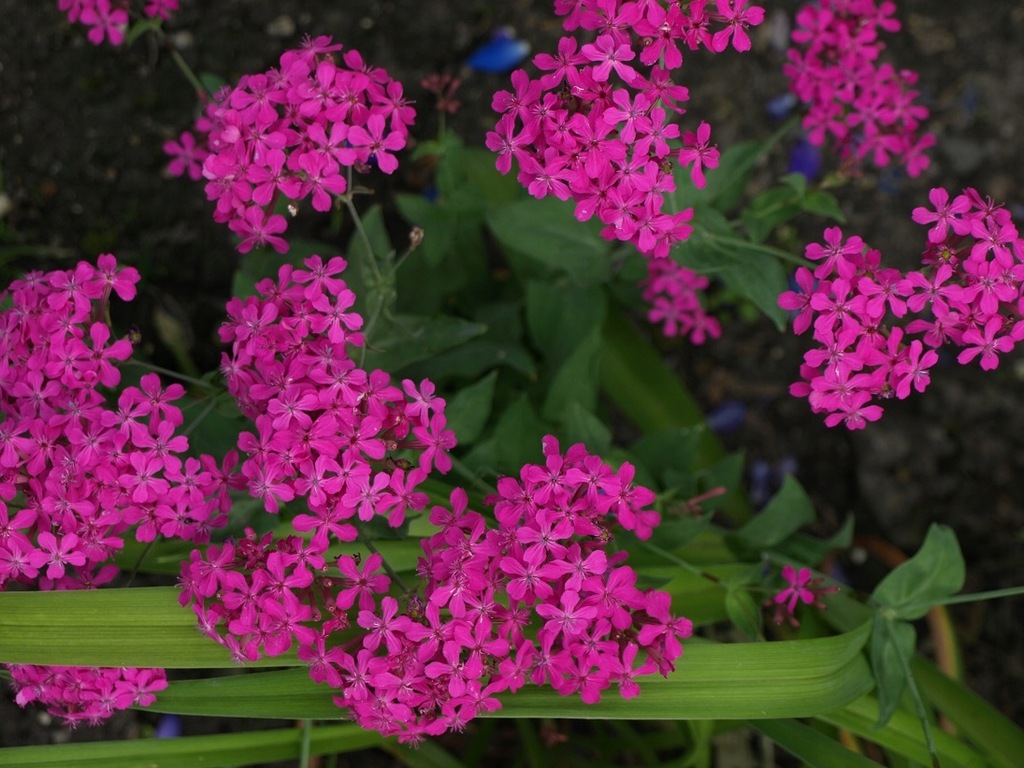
542	238
524	318
788	510
936	572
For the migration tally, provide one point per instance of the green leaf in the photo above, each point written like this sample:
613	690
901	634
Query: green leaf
892	646
824	204
902	735
797	678
809	549
581	426
642	386
788	510
368	247
469	409
548	236
373	240
750	269
812	747
407	339
981	723
219	751
769	209
141	27
576	381
474	358
668	449
560	317
726	183
425	754
936	572
677	532
743	612
137	627
518	436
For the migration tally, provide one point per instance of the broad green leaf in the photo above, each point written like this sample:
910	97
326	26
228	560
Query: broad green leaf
546	233
798	678
518	437
981	723
727	182
560	317
576	380
892	646
809	549
726	473
824	204
220	751
478	165
407	339
769	209
469	409
651	396
902	735
372	240
581	426
137	627
473	359
752	270
789	509
676	532
668	449
936	572
812	747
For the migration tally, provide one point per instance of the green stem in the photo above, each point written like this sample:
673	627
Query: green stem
689	567
471	477
726	243
915	695
186	70
366	542
977	596
174	374
361	230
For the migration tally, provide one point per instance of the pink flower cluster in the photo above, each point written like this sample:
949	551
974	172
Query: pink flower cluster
85	694
294	131
868	108
967	294
77	476
673	293
596	126
327	432
108	19
326	429
534	599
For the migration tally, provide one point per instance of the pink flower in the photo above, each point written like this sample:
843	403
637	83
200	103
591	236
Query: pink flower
803	588
698	152
256	229
737	18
